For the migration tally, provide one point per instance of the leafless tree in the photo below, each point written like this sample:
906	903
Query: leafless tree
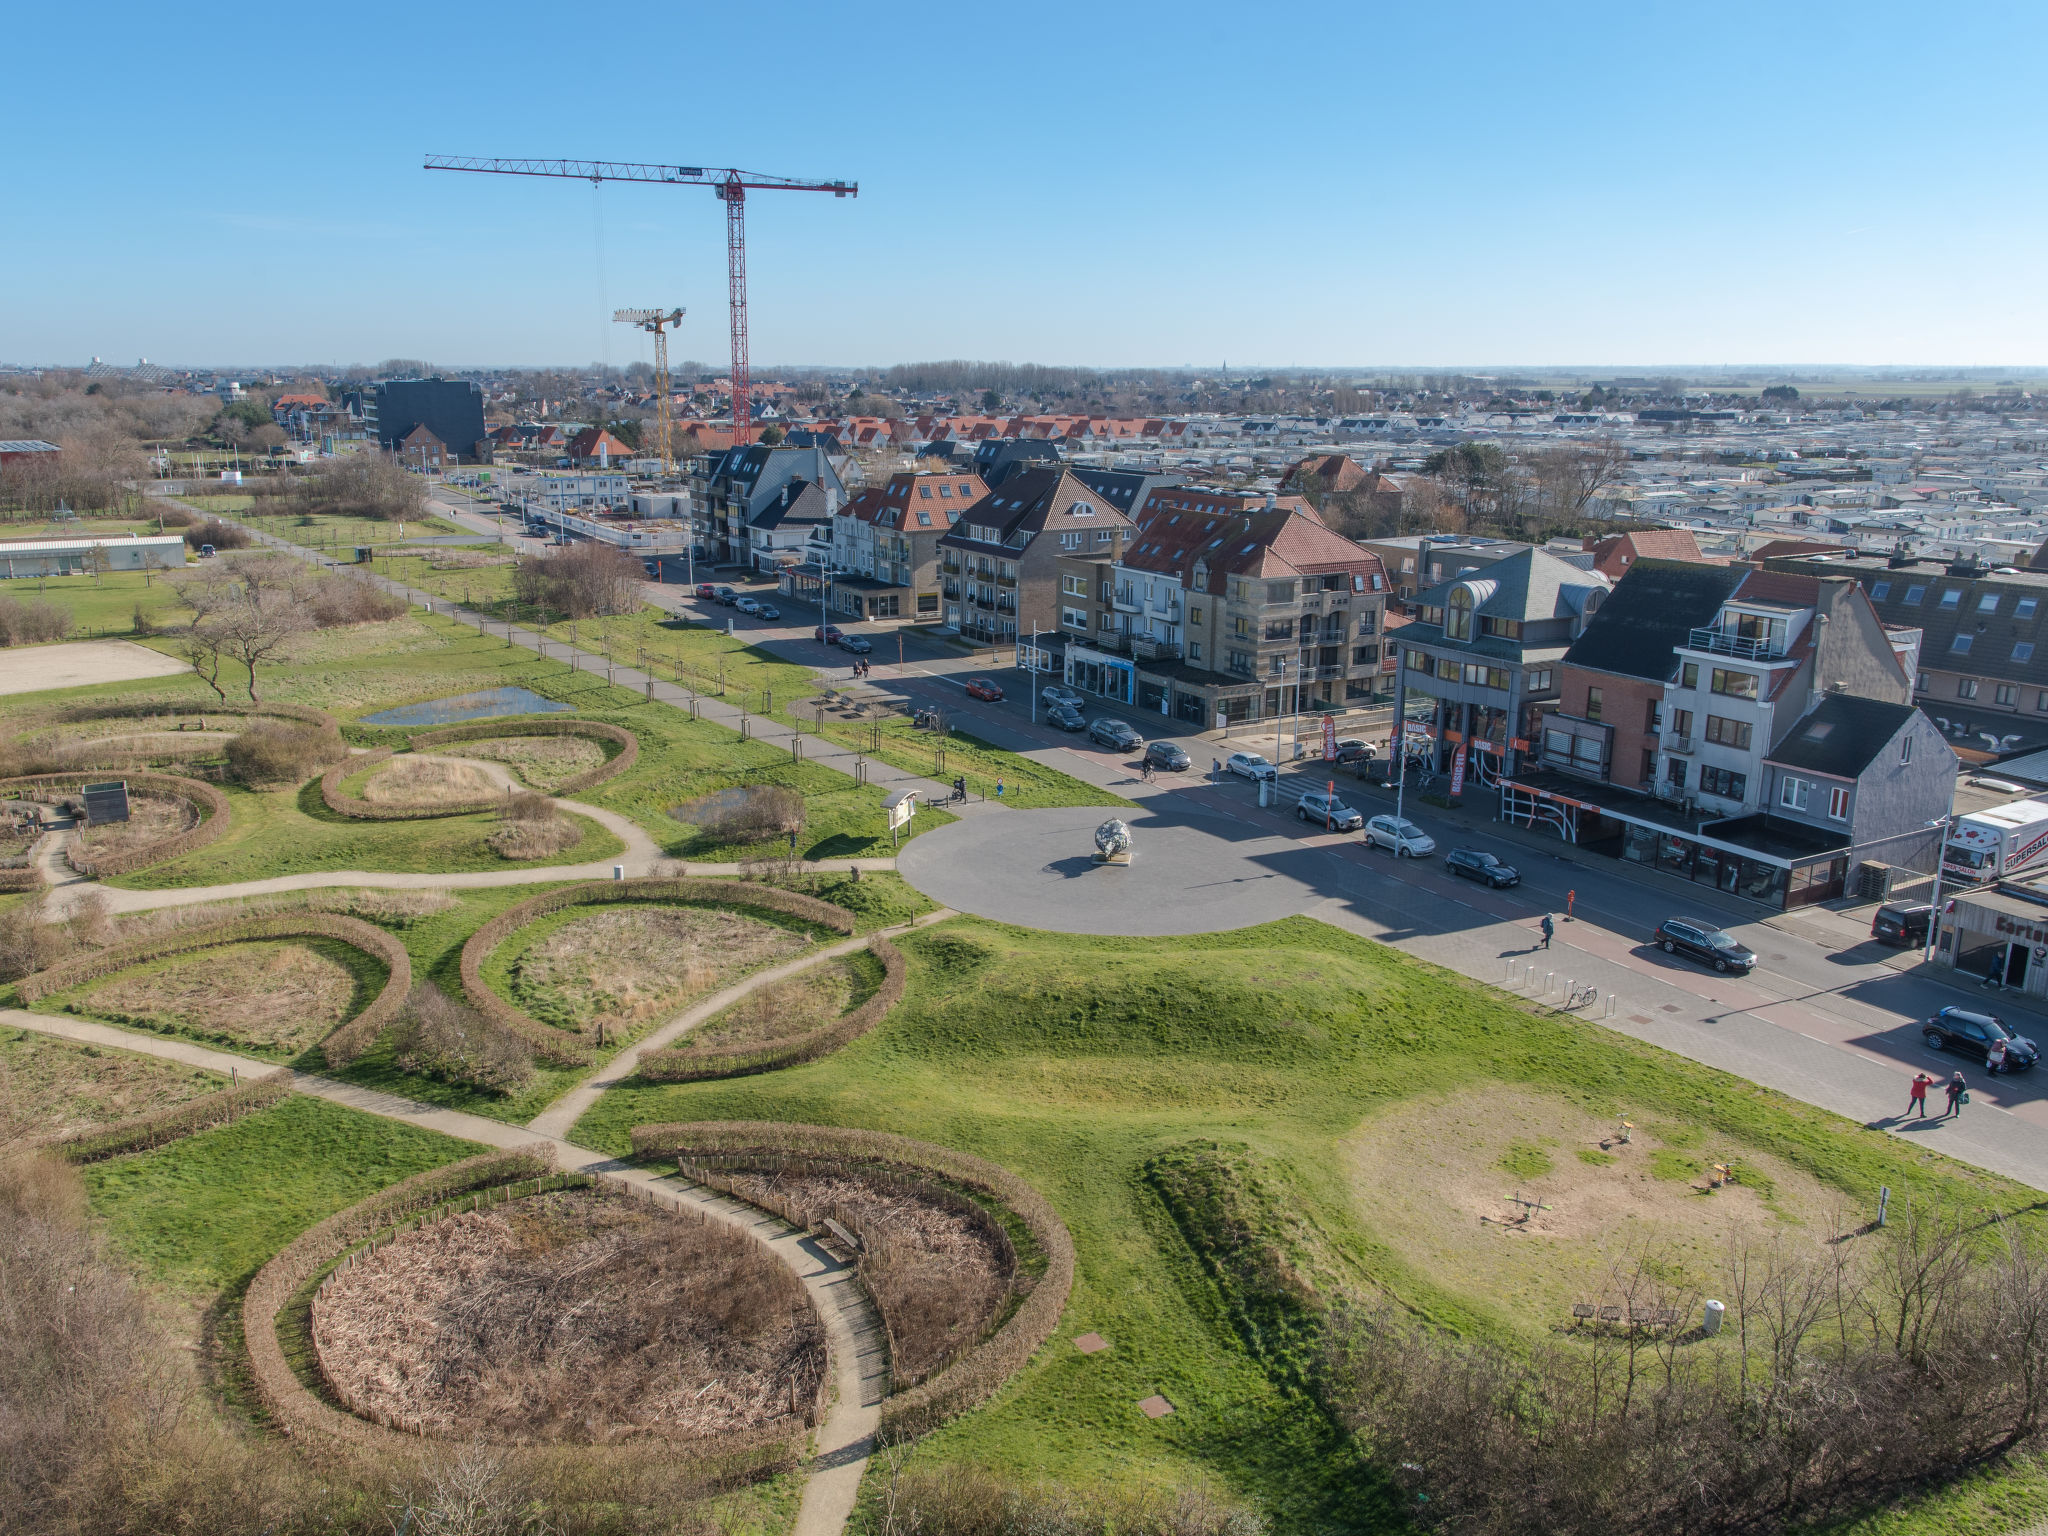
583	581
1568	478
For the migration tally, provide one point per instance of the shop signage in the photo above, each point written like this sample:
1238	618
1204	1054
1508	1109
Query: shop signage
2033	933
1458	773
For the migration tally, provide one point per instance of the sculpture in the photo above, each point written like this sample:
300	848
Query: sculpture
1113	842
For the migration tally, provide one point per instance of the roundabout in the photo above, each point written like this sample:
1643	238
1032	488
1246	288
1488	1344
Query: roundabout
1190	871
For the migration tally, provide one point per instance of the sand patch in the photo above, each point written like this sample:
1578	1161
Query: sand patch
81	664
1425	1172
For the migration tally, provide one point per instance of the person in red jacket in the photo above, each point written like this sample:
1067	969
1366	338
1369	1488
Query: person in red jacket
1916	1101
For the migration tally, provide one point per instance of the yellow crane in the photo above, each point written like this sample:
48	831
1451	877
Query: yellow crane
657	321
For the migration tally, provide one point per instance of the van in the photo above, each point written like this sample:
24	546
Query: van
1902	925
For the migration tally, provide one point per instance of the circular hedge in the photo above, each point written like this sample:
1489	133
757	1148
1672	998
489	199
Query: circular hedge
209	802
557	1047
343	803
348	1041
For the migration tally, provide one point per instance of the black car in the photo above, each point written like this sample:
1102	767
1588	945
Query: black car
858	645
1066	717
1971	1034
1703	941
1164	754
725	595
1474	865
1903	925
1115	734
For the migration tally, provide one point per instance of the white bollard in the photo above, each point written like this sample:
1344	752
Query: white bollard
1711	1323
618	871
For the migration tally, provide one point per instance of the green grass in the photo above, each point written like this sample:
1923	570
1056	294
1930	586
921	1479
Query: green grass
1079	1062
1027	783
201	1215
1525	1161
104	605
337	535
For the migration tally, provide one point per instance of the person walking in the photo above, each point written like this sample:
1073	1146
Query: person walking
1549	928
1958	1095
1994	1058
1916	1096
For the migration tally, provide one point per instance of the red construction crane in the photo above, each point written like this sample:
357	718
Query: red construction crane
731	186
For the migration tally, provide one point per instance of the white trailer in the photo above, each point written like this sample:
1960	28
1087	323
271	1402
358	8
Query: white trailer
1986	845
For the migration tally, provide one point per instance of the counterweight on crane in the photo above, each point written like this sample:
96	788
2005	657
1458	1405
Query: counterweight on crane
732	188
657	321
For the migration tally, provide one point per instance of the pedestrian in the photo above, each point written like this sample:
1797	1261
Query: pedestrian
1916	1096
1958	1095
1215	770
1994	1058
1548	929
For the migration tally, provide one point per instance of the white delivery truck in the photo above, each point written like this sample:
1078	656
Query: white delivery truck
1986	845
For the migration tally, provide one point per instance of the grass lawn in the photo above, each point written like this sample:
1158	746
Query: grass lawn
104	606
1079	1062
896	740
336	534
202	1214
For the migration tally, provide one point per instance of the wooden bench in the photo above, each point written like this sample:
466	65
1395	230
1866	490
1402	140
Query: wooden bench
841	1236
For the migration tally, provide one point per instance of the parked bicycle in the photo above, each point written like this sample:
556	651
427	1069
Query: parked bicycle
1580	997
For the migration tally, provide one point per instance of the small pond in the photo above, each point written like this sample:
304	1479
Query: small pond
706	809
489	703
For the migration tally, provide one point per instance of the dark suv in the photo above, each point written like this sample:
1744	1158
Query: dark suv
1474	865
1116	734
1971	1034
1904	926
1702	941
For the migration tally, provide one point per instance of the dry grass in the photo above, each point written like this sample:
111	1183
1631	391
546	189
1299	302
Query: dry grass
795	1006
151	819
619	967
284	995
545	762
571	1316
938	1269
429	781
52	1087
533	827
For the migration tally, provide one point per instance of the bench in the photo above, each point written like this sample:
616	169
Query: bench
1583	1311
840	1235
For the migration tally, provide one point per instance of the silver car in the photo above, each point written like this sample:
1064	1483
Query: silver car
1327	810
1406	839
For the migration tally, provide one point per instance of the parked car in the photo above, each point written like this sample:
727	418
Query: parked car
1066	717
1165	754
746	605
1400	835
705	590
1249	765
1703	942
829	633
767	611
1325	809
1902	924
860	645
725	595
1116	735
1474	865
1971	1034
985	689
206	551
1053	693
1352	750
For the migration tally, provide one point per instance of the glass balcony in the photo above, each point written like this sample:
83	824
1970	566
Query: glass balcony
1723	642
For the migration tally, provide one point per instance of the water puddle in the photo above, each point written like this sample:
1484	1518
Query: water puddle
489	703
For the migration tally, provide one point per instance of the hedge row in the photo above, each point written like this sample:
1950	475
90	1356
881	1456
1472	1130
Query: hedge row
211	804
560	1048
682	1064
26	879
344	804
662	1469
974	1379
139	1133
340	1048
527	725
142	709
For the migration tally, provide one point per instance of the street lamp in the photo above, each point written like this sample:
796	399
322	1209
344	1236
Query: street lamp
1940	848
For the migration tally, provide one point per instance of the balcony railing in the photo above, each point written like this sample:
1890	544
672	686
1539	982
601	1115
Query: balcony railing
1125	600
1721	642
1006	581
1671	741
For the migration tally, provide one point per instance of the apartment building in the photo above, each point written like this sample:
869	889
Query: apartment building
1006	560
1982	674
1229	605
885	544
1417	561
729	489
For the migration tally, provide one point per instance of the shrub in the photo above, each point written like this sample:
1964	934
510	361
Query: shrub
171	515
533	828
283	752
440	1038
31	623
343	600
217	533
760	811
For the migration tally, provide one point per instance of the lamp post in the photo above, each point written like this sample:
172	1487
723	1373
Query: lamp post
1940	848
1031	673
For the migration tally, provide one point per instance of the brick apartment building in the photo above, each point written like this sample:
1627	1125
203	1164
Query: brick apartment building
885	545
1009	556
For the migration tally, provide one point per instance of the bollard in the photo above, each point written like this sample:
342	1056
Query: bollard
1711	1323
1610	1005
1548	978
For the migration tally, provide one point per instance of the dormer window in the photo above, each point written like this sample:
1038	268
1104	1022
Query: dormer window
1080	509
1458	617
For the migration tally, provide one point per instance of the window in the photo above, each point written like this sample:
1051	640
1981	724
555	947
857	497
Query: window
1988	603
1447	670
1728	733
1416	661
1952	598
1913	595
1486	677
1592	703
2023	651
1724	783
1194	650
1674	771
1279	591
1537	681
1961	643
1365	655
1966	688
924	519
1689	675
1458	621
1505	629
1793	793
1279	629
944	490
1070	541
2008	694
1074	618
1905	749
1080	509
1681	722
1880	590
1735	685
1278	666
1194	613
925	491
2041	701
1838	803
1653	715
2025	608
1074	586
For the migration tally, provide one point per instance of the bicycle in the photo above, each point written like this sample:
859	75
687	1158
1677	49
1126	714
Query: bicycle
1579	997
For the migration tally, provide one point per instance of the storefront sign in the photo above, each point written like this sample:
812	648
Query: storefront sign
1329	738
1458	773
2033	933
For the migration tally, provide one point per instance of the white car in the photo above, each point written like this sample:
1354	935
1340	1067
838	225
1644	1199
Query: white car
747	604
1399	834
1249	765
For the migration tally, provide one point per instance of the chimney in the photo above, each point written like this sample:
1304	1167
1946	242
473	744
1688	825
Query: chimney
1271	501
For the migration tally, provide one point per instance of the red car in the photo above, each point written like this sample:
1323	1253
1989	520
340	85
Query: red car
706	590
829	633
983	688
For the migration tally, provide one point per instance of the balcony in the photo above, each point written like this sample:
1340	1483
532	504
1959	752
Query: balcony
1126	600
1165	608
1006	581
1671	741
951	589
1006	602
1721	642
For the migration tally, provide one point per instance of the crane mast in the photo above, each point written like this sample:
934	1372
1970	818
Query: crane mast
729	184
657	321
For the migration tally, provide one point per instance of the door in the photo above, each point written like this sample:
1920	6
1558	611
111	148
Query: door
2015	965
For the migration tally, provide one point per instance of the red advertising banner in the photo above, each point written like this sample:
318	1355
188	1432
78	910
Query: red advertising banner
1458	773
1329	738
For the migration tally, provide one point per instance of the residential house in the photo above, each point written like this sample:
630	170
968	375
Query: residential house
728	489
1613	555
998	458
885	545
422	450
1005	561
1416	561
594	446
1326	473
791	528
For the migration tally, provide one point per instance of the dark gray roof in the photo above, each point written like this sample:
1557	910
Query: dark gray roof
1654	607
1528	587
1840	736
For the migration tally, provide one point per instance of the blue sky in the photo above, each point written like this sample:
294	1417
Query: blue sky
1355	185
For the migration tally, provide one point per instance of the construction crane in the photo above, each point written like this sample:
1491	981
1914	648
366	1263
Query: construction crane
732	188
657	321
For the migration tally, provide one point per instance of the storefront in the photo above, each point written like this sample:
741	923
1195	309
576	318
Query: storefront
2001	933
1093	671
